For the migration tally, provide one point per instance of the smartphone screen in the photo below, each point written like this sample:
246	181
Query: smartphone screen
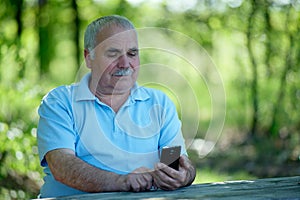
170	156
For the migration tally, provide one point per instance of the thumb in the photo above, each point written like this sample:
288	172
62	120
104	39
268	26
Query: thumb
184	161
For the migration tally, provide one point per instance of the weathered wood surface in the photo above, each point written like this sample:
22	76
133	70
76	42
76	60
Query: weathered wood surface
272	188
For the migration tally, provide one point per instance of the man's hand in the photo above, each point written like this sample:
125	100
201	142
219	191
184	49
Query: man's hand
167	178
139	180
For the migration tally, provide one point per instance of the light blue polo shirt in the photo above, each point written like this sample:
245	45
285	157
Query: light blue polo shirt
72	117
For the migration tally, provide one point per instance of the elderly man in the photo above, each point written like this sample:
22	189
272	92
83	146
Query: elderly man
105	132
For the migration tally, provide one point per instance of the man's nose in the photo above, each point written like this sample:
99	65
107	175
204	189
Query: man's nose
123	61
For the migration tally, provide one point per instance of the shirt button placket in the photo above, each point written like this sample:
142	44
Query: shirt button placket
115	124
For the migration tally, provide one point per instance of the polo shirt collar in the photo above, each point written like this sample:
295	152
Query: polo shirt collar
138	93
83	92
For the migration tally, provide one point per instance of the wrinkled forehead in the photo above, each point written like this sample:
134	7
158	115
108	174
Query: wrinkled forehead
115	35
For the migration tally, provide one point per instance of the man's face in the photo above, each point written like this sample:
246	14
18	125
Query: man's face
116	62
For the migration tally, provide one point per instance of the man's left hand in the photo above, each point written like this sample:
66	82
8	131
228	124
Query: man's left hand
167	178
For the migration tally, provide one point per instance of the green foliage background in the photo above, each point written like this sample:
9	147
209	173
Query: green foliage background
255	44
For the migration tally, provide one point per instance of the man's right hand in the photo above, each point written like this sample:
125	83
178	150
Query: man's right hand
138	180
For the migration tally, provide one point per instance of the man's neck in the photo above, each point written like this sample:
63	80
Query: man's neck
115	101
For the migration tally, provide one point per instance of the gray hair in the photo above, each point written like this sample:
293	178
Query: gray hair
98	25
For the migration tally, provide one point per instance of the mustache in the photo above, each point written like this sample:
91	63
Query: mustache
123	72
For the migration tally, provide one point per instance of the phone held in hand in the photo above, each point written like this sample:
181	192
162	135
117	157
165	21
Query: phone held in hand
170	156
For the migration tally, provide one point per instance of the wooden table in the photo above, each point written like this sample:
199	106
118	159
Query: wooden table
271	188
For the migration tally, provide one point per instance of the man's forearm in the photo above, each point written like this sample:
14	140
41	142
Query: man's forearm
72	171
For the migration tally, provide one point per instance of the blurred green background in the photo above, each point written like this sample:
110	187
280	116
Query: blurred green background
255	45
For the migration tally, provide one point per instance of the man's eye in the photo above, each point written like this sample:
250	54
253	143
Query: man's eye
112	54
132	53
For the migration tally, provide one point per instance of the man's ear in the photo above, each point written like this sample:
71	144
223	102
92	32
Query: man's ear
87	58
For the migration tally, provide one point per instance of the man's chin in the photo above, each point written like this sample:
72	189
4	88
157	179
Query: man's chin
121	88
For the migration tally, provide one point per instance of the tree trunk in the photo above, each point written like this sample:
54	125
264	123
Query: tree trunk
44	53
254	81
76	33
19	7
273	129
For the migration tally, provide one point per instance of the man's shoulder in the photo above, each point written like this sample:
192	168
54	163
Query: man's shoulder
62	93
58	99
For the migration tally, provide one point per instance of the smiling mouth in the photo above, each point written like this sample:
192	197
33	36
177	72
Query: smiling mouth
123	72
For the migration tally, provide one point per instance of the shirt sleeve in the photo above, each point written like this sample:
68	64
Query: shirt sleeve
171	134
56	126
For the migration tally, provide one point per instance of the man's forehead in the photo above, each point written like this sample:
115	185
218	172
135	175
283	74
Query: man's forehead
114	35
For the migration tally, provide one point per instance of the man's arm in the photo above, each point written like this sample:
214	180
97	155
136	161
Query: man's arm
74	172
167	178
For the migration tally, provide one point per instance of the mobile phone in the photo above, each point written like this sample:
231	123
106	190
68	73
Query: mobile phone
170	156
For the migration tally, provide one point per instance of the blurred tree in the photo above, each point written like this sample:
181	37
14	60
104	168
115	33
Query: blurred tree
18	4
270	35
76	34
290	61
44	31
254	83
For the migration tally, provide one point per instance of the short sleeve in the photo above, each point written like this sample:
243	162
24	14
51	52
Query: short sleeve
171	134
56	127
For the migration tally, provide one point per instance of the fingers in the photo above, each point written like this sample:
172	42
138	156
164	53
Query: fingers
190	169
162	177
165	170
144	178
140	180
167	178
